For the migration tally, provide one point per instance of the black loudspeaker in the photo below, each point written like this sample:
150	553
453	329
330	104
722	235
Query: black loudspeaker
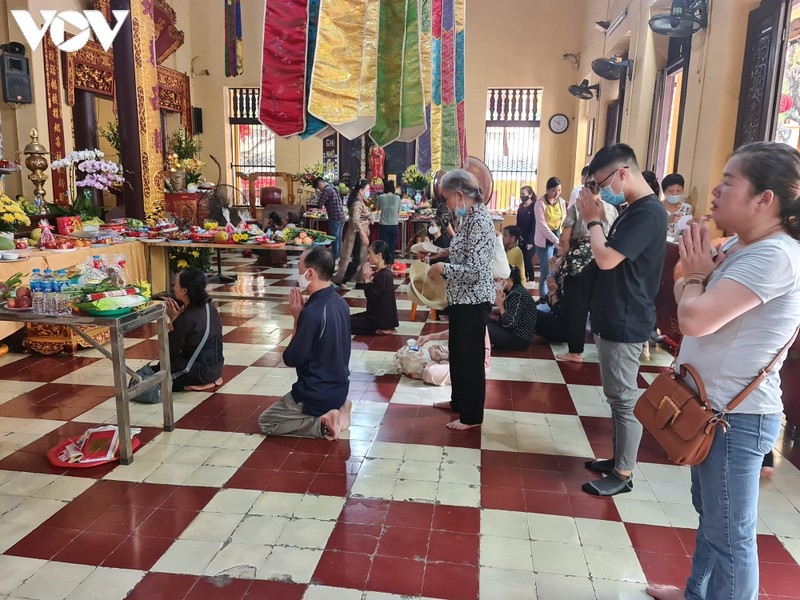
197	120
15	71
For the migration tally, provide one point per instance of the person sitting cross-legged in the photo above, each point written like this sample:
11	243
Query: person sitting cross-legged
317	406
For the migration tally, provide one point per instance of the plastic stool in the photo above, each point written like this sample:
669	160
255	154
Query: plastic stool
414	312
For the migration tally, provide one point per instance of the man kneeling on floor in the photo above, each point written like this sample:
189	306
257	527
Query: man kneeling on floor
317	406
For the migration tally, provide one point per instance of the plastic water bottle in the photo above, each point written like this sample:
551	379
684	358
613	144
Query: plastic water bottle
49	292
62	297
37	297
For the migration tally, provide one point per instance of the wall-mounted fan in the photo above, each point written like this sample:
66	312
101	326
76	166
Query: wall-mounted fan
584	91
611	69
685	18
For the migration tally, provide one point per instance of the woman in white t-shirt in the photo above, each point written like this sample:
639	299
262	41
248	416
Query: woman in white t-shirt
736	313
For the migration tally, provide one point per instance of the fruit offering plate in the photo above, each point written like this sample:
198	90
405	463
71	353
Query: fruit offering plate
273	244
152	240
62	250
180	241
5	260
24	309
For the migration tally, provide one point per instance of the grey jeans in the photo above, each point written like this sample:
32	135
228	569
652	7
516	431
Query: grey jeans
619	367
286	417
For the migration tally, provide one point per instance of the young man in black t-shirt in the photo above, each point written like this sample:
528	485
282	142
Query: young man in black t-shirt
629	264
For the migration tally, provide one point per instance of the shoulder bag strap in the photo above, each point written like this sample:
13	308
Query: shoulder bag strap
761	374
199	348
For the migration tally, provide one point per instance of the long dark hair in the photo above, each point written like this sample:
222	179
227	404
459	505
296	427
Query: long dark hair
775	166
195	282
353	197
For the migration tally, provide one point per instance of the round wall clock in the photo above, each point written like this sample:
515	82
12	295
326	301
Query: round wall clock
558	123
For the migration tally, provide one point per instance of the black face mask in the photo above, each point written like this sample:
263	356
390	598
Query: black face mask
524	198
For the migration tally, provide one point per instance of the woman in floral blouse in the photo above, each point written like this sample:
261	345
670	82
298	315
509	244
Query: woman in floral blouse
356	240
470	293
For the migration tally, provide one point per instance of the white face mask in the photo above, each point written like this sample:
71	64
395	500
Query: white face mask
676	199
366	194
433	230
303	281
498	286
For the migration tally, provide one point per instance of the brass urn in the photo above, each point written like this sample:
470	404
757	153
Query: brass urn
37	163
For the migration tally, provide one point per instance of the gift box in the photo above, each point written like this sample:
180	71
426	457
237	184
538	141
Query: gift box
69	225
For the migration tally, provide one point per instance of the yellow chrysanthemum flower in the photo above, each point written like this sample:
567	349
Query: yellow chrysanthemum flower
182	264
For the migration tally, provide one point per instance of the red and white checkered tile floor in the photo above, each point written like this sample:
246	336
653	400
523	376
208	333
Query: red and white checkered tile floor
402	507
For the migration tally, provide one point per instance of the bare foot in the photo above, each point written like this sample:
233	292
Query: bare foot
204	387
767	472
344	415
570	357
330	421
457	425
385	331
443	405
665	592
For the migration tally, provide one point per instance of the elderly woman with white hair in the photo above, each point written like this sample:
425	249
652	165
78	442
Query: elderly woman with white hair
470	293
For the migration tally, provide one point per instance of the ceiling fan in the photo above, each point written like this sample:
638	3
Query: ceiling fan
584	91
612	69
685	18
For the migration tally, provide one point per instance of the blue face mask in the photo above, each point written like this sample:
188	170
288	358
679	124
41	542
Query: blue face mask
461	211
608	195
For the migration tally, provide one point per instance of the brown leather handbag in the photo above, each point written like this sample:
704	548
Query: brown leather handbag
680	419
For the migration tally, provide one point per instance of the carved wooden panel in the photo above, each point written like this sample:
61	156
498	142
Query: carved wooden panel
91	68
173	94
764	48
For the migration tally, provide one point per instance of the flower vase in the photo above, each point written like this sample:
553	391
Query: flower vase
191	188
178	180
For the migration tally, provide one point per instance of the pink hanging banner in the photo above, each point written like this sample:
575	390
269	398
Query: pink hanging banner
283	67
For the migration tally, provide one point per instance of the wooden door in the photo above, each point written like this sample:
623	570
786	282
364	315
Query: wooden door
763	60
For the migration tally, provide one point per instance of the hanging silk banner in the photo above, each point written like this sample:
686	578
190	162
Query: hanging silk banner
437	9
283	67
412	105
344	76
234	52
447	124
313	124
424	140
461	121
390	72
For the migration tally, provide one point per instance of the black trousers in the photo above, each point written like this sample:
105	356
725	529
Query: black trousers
504	339
361	324
355	259
575	306
467	337
528	255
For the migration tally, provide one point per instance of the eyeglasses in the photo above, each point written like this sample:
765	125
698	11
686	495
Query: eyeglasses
594	187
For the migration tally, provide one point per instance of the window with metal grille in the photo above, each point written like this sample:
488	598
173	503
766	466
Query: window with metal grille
512	141
252	144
